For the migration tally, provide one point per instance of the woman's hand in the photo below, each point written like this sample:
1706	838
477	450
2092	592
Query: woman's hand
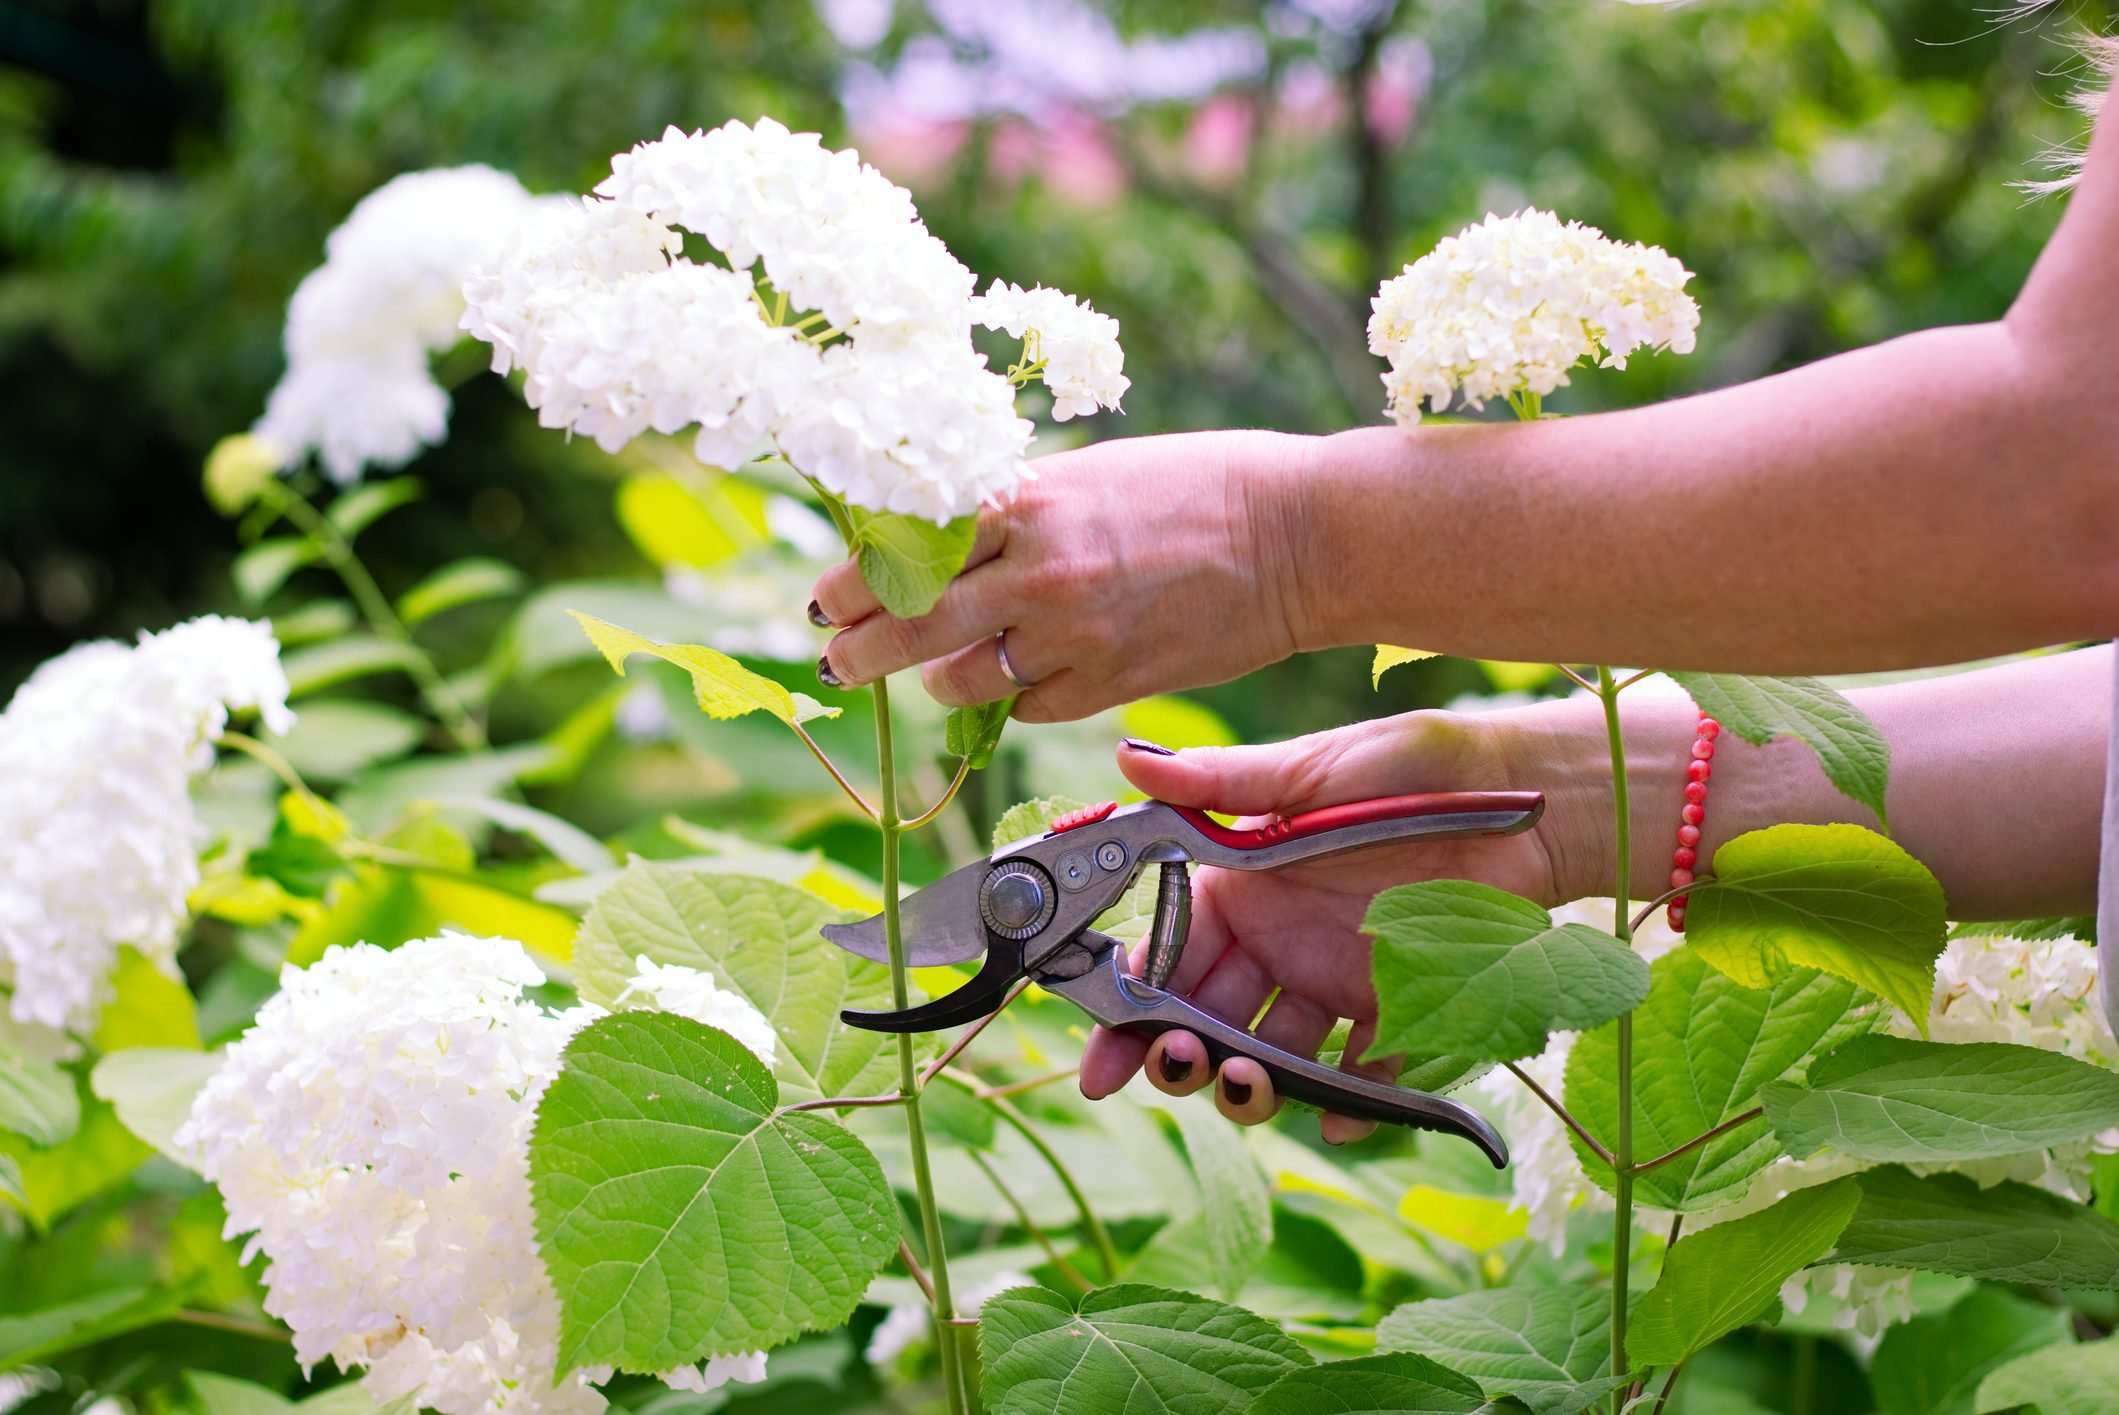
1298	929
1127	568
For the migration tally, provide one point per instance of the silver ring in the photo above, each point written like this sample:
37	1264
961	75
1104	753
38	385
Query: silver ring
1000	651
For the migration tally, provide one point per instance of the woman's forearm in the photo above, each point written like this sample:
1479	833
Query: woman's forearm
1870	511
1997	777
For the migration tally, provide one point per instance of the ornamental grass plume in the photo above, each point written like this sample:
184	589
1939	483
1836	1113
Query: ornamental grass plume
839	331
98	837
357	390
1505	308
370	1132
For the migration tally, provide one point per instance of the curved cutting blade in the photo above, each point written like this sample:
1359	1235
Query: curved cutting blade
941	924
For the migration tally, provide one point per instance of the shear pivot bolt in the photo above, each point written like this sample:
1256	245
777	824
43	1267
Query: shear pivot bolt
1017	900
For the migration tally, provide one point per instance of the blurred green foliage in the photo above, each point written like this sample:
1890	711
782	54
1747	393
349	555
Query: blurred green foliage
1837	171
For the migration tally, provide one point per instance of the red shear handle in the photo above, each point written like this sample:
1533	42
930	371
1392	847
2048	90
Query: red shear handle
1461	813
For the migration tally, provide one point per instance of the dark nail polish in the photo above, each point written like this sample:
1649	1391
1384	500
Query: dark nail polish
1175	1068
816	615
824	674
1153	749
1238	1092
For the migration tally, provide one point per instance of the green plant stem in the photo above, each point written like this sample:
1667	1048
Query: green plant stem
1622	1169
375	608
241	1326
947	1338
1030	1225
1106	1250
956	784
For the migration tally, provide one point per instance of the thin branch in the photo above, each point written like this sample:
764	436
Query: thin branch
1580	681
1106	1250
1668	1381
970	1035
1016	1088
919	1274
1560	1110
961	1322
963	773
273	762
836	775
1030	1225
1698	1140
241	1326
1631	679
1677	1224
1665	897
840	1103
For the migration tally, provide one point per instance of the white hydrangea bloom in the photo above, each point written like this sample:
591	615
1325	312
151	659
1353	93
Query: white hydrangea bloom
833	234
923	428
1871	1299
692	993
869	383
1511	304
357	390
98	837
1545	1179
1083	363
903	1328
371	1132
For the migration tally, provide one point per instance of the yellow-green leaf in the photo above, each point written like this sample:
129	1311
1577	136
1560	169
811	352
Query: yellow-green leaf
1837	898
1389	657
723	687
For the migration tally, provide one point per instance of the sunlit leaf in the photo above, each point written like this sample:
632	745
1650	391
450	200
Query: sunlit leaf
681	1214
37	1098
2072	1380
1833	897
363	506
698	522
45	1332
723	687
336	739
1389	657
152	1088
1468	1220
973	732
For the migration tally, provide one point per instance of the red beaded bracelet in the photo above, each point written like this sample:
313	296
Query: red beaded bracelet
1692	816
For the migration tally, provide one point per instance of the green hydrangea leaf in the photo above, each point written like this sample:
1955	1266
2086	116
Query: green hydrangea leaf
37	1099
1833	897
2075	926
1549	1347
2073	1380
1134	1348
1945	1223
1933	1364
1886	1099
1236	1207
973	732
1469	970
1716	1281
1028	818
1703	1045
722	687
908	561
1854	755
760	938
152	1088
680	1215
1399	1383
458	583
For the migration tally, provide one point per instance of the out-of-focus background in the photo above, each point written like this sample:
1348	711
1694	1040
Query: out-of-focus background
1230	180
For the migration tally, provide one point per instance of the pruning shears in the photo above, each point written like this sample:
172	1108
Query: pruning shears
1026	912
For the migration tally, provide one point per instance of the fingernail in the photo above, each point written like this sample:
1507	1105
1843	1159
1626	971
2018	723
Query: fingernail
817	615
1153	749
825	675
1238	1092
1175	1068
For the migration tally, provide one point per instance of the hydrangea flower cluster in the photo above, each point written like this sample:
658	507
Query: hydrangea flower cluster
839	331
98	837
1075	348
1506	307
371	1132
357	389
